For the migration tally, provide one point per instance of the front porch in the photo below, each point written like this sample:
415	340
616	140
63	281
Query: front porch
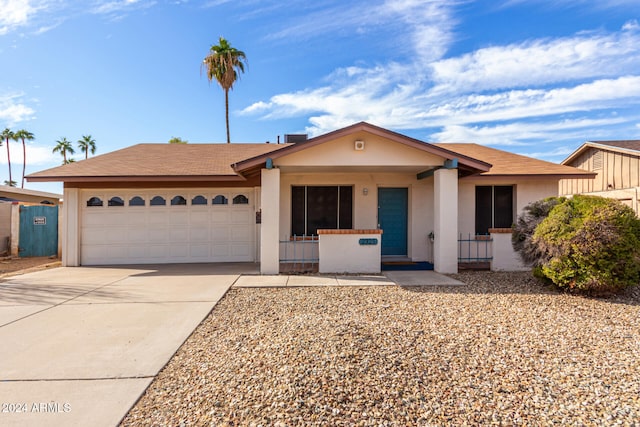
429	235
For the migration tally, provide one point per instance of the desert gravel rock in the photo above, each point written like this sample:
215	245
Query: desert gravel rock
501	350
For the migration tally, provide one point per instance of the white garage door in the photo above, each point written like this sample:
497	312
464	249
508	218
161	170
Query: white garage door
167	226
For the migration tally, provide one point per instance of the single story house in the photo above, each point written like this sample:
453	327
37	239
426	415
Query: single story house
14	194
616	165
367	192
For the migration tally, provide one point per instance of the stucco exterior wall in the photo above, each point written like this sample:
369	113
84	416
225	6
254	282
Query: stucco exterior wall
343	253
365	207
377	152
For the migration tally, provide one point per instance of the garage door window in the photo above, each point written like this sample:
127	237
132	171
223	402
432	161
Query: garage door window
136	201
220	200
178	201
199	200
158	201
94	202
240	200
115	201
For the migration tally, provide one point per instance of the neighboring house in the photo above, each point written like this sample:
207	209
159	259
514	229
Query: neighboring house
617	168
10	219
367	191
14	194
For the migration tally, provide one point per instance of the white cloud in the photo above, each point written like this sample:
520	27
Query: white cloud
18	13
37	155
114	7
539	62
631	25
13	110
520	133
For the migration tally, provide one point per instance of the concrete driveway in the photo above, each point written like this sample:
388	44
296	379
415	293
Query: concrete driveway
78	346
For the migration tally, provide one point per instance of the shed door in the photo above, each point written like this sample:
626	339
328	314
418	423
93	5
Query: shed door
38	231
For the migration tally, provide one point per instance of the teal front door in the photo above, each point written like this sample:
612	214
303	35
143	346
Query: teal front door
392	220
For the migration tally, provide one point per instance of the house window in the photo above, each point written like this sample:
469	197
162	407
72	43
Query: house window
158	201
494	207
199	200
178	201
219	200
136	201
94	201
240	200
115	201
321	207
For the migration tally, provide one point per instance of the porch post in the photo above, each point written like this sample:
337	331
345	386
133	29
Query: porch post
270	227
445	245
71	228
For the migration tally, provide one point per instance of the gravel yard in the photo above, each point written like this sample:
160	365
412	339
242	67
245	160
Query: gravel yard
501	350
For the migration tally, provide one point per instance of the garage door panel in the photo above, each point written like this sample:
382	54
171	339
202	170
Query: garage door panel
220	250
179	233
241	217
138	235
94	236
241	233
242	250
137	217
220	234
157	252
178	218
220	216
199	251
117	235
138	252
199	235
158	217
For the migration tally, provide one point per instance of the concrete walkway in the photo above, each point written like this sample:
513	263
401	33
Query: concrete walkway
80	345
388	278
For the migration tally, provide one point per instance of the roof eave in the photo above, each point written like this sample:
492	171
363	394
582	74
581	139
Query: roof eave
133	178
589	175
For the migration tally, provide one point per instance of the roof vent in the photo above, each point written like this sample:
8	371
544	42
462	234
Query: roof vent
294	138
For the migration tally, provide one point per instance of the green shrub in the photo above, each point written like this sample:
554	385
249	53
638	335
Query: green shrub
589	244
525	226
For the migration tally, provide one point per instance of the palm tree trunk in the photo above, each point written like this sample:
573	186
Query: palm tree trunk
226	106
24	161
9	162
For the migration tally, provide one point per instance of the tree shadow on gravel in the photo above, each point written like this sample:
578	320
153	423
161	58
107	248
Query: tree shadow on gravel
517	283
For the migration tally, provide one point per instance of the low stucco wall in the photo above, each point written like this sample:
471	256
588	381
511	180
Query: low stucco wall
504	257
341	251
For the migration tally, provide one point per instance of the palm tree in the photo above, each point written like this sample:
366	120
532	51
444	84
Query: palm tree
24	135
10	183
63	146
223	64
86	145
7	134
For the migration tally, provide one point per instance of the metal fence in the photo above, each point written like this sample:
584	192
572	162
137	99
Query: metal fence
299	254
475	248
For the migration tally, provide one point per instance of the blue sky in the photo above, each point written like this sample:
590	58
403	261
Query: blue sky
529	76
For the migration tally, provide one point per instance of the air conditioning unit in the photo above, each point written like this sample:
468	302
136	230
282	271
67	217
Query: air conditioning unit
359	145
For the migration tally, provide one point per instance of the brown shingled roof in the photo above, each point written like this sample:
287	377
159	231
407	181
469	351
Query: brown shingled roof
506	163
630	146
160	160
